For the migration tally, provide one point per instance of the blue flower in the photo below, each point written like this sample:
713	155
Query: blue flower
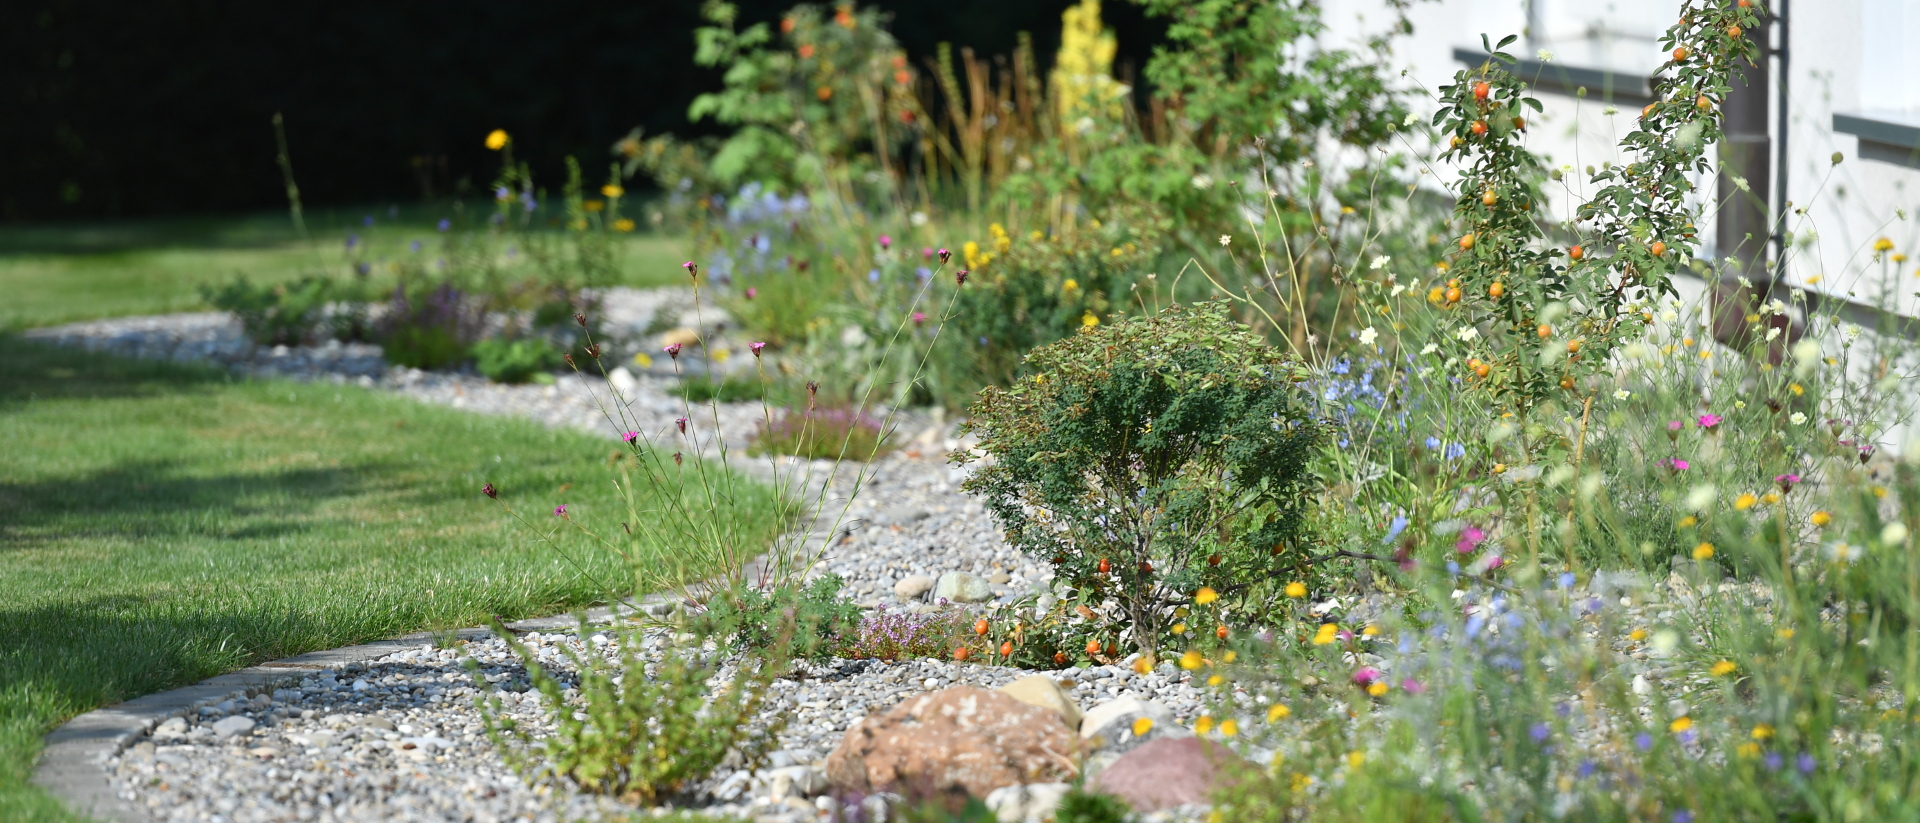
1566	580
1683	816
1806	763
923	273
415	246
353	240
1773	761
1452	567
1586	769
1475	624
1398	525
1433	442
1540	732
873	276
367	220
1644	741
445	224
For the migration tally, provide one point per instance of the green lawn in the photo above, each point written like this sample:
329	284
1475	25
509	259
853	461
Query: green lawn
160	524
62	273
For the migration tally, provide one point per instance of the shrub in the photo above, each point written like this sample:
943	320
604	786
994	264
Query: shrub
1082	806
286	314
747	617
515	361
429	325
820	434
633	727
726	390
899	635
1149	458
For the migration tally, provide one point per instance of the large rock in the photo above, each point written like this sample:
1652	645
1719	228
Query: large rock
1114	726
961	587
1169	772
955	742
1045	692
912	586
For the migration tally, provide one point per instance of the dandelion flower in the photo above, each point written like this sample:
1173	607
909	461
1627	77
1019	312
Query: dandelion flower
1142	726
613	190
1377	688
1883	244
623	225
497	139
1680	724
1637	634
1216	680
1745	501
1703	551
1821	518
1354	759
1229	727
1205	595
1192	660
1327	633
1203	725
1722	668
1762	731
1278	712
1296	589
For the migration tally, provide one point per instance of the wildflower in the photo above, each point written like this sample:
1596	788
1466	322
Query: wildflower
1467	333
1673	428
630	437
1412	686
444	224
1377	688
623	225
1893	533
1202	181
1229	656
919	317
1637	634
1821	518
692	270
1745	501
1680	724
944	256
886	241
1192	660
1142	665
560	510
1205	595
490	491
752	292
1703	551
672	350
1748	750
1325	635
1379	262
1225	239
1366	676
1772	761
1797	418
1643	740
1544	55
1394	529
1296	589
676	458
1675	464
1470	539
1354	759
1722	668
1786	481
1762	731
1088	321
1883	244
1682	816
1540	732
1805	763
1179	628
1142	726
1278	712
1216	680
756	347
1708	421
1368	335
497	139
1203	725
1229	727
681	424
1621	394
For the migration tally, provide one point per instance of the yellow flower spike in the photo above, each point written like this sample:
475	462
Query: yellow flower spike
1179	628
1722	668
1216	680
1745	501
613	190
1325	635
1371	630
1680	724
1205	595
1354	759
1637	634
1703	551
497	139
1296	589
1377	688
1821	518
1203	725
1142	726
1278	712
1192	660
1142	665
1229	657
1762	731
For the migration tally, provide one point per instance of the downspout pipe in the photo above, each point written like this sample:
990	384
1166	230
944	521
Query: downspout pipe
1743	231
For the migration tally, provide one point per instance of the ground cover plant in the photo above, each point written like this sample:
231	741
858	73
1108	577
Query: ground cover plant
168	523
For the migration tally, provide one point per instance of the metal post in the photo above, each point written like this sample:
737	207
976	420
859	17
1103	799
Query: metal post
1743	230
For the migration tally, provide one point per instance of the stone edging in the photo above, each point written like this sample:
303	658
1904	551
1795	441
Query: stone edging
73	764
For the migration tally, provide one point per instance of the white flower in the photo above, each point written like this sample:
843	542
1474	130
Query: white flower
1892	533
1430	348
1225	239
1467	333
1411	119
1845	553
1621	394
1744	282
1379	262
1544	55
1798	418
1669	316
1367	336
1398	288
1202	181
1610	110
918	218
1739	404
1850	331
1773	333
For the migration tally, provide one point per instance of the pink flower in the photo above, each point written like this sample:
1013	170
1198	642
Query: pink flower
919	317
1412	686
1786	481
1470	539
1675	464
673	351
1365	676
1675	425
752	292
886	242
945	256
1344	635
926	253
1708	421
630	437
692	270
681	422
960	277
756	347
1495	562
560	510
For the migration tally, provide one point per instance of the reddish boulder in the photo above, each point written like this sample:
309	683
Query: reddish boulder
1169	772
953	742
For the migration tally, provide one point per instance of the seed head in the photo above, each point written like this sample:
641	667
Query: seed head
960	277
581	319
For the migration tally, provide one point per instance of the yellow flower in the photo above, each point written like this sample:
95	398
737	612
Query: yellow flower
1687	522
1880	492
497	139
1216	680
1745	501
1371	630
1722	668
1883	244
1680	724
1229	656
643	360
721	355
970	252
1784	634
1089	321
1637	634
1203	725
1116	251
1354	759
1748	750
1142	664
594	205
1296	589
580	224
1229	727
1179	628
1192	660
1036	236
1325	635
1377	688
1301	781
1821	518
1703	551
1205	595
612	190
1797	389
1278	712
1069	286
1770	498
1142	726
623	224
1762	731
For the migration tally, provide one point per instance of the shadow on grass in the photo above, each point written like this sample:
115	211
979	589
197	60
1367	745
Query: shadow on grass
146	498
31	370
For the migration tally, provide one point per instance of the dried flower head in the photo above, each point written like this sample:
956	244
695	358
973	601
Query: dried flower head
490	491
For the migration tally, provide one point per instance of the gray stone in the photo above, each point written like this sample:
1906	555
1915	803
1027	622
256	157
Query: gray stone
796	781
999	578
899	516
231	726
1030	803
1111	724
376	722
961	587
912	587
172	725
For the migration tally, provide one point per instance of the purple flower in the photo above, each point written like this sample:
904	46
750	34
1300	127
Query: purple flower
886	242
756	347
673	351
1470	539
681	423
353	240
444	224
1585	770
1566	580
1495	562
1689	736
959	277
1786	481
1365	676
630	437
1683	816
1394	529
414	246
1412	686
1708	421
490	491
944	256
1643	741
1675	463
1805	763
692	270
1540	732
752	292
873	276
560	510
919	317
1773	761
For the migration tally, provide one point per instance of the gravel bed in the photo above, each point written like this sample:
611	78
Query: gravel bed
398	739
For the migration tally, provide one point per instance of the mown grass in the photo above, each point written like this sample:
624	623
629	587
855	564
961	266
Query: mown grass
63	273
163	524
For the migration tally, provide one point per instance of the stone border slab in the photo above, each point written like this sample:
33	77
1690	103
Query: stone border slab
73	763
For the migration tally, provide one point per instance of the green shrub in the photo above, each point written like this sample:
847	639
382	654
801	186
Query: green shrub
286	314
726	390
638	729
429	325
1082	806
1171	449
747	617
821	434
516	361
